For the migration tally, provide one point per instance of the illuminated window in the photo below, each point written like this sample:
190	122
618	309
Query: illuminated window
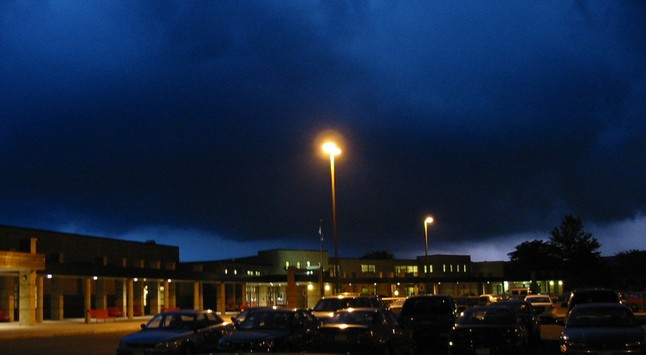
367	268
298	264
250	272
451	267
464	267
443	267
286	264
226	271
309	264
431	266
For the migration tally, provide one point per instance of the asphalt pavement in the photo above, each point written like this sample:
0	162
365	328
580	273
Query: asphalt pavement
72	326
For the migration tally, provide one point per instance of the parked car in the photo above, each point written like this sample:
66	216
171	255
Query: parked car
591	295
176	332
325	307
543	306
635	300
602	328
488	330
429	319
363	330
527	314
271	330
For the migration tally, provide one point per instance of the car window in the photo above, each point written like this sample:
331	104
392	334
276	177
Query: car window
330	304
427	306
491	315
213	318
362	318
539	299
601	317
266	320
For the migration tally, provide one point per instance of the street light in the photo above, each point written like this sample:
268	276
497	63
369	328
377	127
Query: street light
332	149
427	221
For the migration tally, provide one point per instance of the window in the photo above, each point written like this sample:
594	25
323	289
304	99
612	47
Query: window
367	268
298	264
286	264
443	267
308	264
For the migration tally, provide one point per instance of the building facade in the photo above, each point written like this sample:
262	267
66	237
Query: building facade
53	275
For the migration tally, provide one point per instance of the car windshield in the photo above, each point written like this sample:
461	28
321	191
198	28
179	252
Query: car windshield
355	317
539	300
601	317
171	321
488	315
266	320
331	304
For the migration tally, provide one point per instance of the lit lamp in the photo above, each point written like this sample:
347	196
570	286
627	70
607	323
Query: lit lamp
332	149
427	221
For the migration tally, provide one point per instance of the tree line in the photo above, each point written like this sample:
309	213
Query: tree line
573	255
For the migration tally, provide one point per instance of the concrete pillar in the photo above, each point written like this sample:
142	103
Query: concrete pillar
130	291
172	294
291	287
153	297
138	298
121	297
167	303
27	297
100	294
7	298
87	293
222	299
57	297
40	293
197	295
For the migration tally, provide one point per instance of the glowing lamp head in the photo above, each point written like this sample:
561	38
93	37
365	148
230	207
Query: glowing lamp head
331	148
428	220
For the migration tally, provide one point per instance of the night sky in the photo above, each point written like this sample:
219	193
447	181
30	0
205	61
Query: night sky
199	123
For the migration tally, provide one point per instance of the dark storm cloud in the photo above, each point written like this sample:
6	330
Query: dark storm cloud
498	118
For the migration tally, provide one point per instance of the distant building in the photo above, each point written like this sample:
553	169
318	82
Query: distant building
53	275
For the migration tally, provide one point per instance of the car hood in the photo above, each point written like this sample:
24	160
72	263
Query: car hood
156	335
604	334
241	336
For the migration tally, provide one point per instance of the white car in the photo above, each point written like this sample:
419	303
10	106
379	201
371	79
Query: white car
542	304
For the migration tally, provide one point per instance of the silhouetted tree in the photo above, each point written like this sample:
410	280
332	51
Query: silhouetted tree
534	257
579	253
379	254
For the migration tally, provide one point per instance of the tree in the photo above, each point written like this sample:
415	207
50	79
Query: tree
579	252
534	256
379	254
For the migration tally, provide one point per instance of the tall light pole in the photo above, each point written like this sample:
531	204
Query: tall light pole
332	149
427	221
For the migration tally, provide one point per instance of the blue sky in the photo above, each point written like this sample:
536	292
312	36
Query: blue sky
196	124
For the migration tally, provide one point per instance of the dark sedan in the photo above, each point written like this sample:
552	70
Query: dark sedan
429	318
488	330
527	314
271	330
602	328
363	330
176	332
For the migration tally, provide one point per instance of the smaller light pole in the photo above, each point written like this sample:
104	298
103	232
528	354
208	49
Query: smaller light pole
427	221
